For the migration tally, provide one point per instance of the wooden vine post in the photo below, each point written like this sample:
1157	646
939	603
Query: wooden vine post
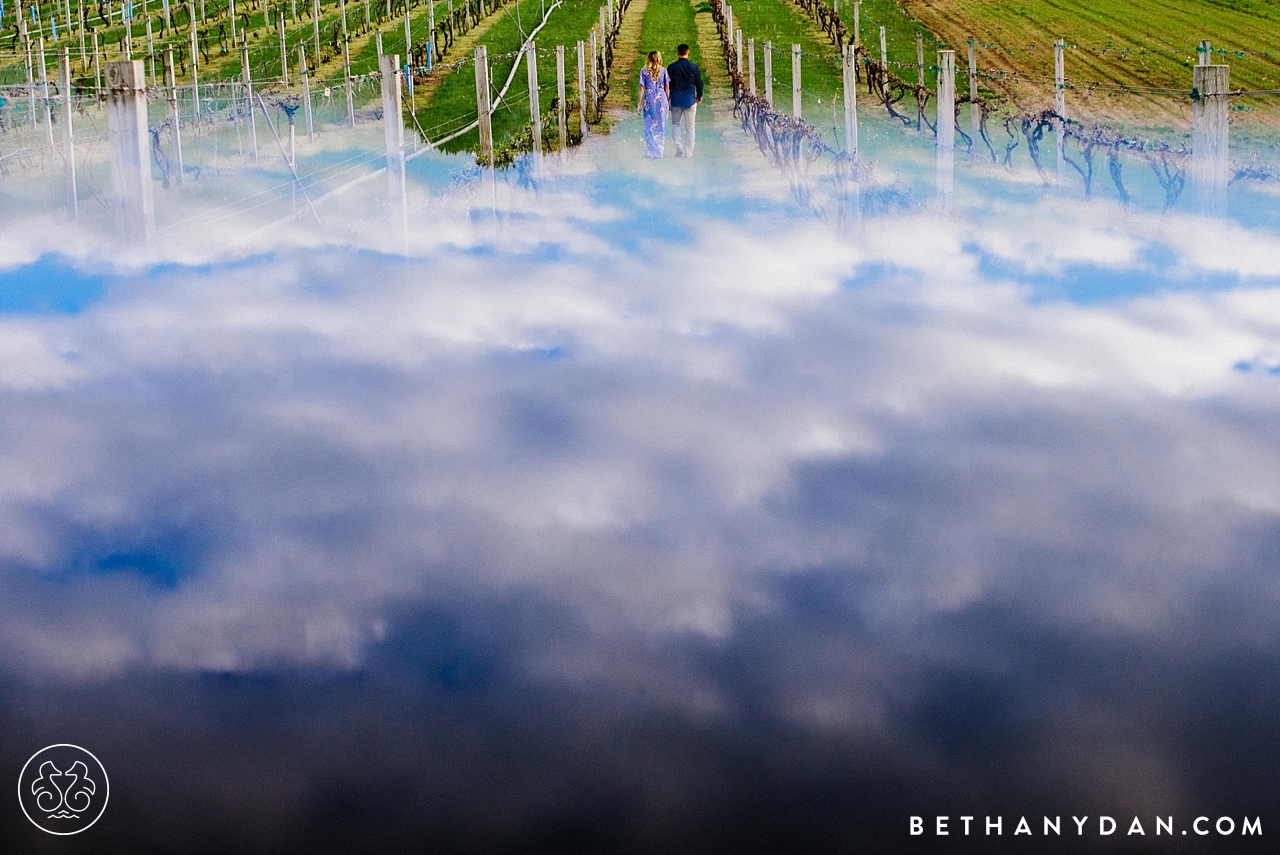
535	107
946	124
284	55
393	124
306	91
751	64
68	145
850	100
1209	137
1060	107
595	80
130	153
346	76
171	83
768	72
795	81
195	74
483	109
431	33
562	115
248	99
582	88
45	106
408	41
974	111
315	27
884	62
31	87
919	82
97	66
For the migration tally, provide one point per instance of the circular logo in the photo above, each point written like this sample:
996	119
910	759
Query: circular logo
63	789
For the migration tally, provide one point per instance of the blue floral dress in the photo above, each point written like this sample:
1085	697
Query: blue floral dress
656	108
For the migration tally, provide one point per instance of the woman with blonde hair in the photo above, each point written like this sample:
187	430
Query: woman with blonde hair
655	101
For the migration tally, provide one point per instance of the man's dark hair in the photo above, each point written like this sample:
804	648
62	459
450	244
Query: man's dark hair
682	50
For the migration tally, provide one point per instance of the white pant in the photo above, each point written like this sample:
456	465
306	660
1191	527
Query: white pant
682	119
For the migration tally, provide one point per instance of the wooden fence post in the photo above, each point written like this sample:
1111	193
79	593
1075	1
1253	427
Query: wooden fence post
408	36
32	112
582	88
306	91
946	99
346	76
1204	53
884	61
171	83
561	112
248	98
946	126
919	82
738	49
45	102
1060	107
795	81
850	100
393	124
195	75
535	107
974	117
751	64
130	151
431	33
84	59
595	83
768	72
284	55
1209	137
151	54
483	109
68	145
315	27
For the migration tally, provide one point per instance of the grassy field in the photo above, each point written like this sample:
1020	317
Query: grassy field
1149	43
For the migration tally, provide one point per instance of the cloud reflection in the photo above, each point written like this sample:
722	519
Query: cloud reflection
633	537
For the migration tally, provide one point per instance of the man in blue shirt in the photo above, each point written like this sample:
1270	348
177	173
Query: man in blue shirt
686	94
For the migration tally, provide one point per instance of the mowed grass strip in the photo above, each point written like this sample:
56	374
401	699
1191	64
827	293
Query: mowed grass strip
1145	43
455	99
667	24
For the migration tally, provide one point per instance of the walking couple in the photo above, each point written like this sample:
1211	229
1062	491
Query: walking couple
679	87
